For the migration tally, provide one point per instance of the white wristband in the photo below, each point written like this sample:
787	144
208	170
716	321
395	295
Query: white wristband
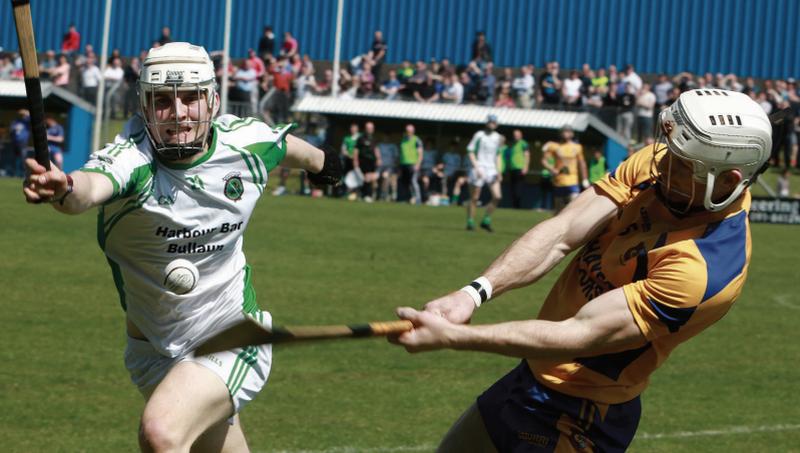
480	290
473	293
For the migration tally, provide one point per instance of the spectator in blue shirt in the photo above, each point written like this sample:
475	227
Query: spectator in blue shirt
392	86
20	130
55	141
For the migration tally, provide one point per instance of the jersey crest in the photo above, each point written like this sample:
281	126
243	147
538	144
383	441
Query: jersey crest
234	188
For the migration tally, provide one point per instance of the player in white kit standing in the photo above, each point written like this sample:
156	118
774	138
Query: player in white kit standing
181	183
484	155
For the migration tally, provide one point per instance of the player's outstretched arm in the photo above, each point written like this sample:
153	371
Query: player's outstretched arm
71	194
324	167
535	253
605	324
545	245
303	155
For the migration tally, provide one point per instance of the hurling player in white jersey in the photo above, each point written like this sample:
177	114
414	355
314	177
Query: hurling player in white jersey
180	182
484	155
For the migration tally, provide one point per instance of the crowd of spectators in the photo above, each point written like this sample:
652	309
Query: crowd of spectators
276	74
623	99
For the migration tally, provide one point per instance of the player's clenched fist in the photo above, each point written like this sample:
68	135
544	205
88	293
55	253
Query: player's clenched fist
42	185
430	331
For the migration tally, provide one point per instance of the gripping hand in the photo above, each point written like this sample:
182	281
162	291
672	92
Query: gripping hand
331	173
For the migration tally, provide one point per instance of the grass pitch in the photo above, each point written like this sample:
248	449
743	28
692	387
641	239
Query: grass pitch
63	386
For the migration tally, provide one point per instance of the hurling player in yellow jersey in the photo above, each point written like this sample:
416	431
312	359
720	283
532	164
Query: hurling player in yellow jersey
664	248
564	161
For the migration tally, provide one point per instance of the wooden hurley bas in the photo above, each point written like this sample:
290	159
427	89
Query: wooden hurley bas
250	332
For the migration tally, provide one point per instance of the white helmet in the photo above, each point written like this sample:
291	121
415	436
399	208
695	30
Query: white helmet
173	67
718	130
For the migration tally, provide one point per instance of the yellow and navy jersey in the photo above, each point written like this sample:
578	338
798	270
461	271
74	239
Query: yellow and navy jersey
679	275
567	156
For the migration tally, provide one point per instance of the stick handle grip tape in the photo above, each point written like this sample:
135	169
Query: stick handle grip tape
30	66
390	327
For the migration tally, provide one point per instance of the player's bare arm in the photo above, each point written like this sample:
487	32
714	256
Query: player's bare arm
88	189
303	155
545	245
602	325
323	166
536	252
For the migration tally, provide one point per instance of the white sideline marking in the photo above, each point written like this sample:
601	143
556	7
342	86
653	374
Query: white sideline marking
720	432
784	301
641	436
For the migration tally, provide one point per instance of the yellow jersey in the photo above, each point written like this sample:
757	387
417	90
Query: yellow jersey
567	156
679	275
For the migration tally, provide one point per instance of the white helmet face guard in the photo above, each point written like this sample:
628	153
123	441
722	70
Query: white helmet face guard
715	131
168	73
150	95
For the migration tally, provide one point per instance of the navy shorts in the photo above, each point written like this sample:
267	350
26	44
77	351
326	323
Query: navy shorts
565	191
522	415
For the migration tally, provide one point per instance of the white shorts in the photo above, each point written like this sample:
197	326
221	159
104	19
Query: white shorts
244	371
489	177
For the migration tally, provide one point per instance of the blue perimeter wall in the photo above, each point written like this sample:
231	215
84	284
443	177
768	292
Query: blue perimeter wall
79	138
760	38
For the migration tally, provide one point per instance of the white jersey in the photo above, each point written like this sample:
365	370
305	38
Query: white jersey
162	211
486	147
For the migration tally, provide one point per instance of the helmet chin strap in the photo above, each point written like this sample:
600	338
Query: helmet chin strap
178	152
708	202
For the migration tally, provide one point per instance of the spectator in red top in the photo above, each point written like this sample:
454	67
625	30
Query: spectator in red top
71	42
258	64
282	75
289	46
277	107
504	99
324	87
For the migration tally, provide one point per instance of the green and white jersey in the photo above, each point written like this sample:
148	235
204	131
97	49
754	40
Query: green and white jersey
486	147
162	211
